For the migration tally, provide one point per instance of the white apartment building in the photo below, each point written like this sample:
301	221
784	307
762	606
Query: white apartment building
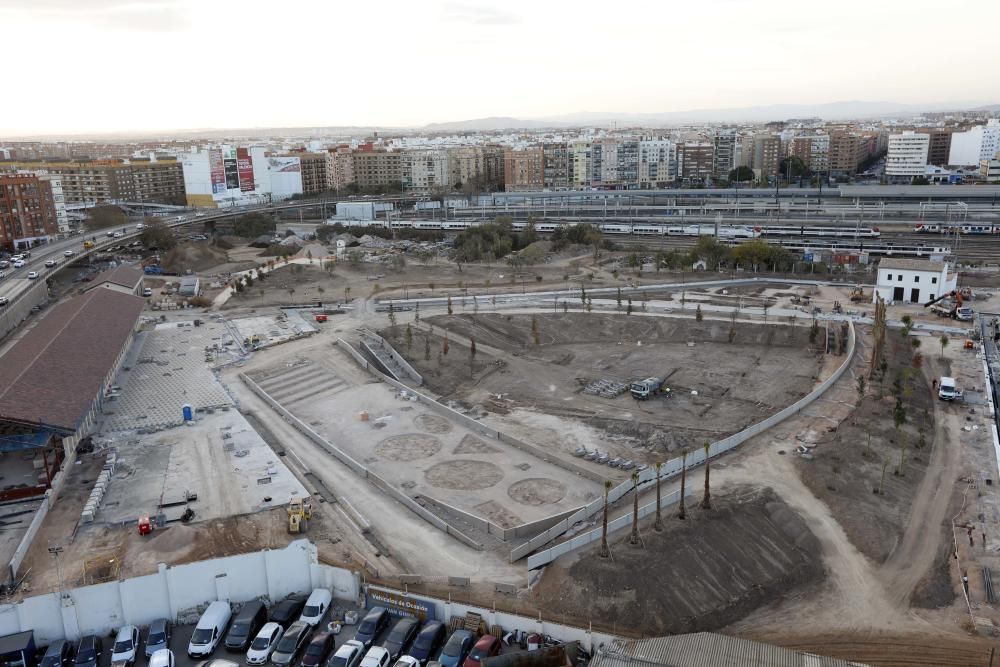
424	170
578	157
989	170
979	143
912	280
657	162
907	156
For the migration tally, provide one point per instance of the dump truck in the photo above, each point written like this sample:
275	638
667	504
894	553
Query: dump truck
643	389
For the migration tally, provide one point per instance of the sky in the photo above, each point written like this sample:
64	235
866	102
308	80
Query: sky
134	65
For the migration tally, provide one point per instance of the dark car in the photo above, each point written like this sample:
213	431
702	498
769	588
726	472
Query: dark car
487	647
58	654
319	650
401	636
456	648
88	651
294	639
287	610
428	641
245	627
372	625
158	637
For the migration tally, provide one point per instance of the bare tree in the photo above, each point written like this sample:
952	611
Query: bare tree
681	514
472	357
409	338
634	538
605	551
706	501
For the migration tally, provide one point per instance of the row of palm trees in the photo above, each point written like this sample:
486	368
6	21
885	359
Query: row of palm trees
706	500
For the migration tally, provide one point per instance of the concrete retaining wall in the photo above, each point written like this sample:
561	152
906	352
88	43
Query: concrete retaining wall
29	536
397	357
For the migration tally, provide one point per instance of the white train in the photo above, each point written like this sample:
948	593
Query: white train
966	228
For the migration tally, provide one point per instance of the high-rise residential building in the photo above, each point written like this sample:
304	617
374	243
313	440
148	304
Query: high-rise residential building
695	161
578	160
479	168
604	162
339	167
989	170
939	146
424	170
377	169
27	211
975	144
314	178
765	155
628	163
907	156
813	150
657	163
160	182
522	168
845	148
724	158
555	165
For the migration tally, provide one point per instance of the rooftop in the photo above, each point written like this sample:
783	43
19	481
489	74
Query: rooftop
911	264
54	372
126	276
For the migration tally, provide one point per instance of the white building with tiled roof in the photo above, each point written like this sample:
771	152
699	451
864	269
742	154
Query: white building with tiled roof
912	280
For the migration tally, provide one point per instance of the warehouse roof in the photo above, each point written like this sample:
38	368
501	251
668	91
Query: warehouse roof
123	275
55	371
911	264
706	649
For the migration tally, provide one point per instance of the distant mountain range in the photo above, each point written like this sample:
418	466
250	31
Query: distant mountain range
758	114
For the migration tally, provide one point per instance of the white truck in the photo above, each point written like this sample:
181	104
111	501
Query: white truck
947	391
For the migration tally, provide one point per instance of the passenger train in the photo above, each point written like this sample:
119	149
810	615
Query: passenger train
964	228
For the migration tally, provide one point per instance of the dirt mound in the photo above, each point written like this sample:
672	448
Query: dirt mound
696	575
464	475
194	257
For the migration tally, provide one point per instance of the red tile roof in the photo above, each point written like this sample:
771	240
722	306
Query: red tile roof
56	370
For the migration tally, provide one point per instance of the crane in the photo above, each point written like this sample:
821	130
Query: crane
953	311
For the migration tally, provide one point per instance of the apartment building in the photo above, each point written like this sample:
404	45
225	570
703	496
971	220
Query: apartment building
657	163
424	170
339	167
377	169
907	156
523	168
578	161
939	145
724	158
813	150
314	178
27	211
695	161
765	155
975	144
478	167
555	166
844	155
160	182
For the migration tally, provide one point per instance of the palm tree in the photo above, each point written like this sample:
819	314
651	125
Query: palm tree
634	539
605	551
706	501
680	509
658	524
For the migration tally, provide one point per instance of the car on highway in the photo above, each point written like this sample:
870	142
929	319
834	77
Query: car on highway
69	253
118	235
401	636
348	655
158	637
18	263
126	646
4	301
32	275
457	648
50	263
264	643
2	274
292	642
4	263
88	651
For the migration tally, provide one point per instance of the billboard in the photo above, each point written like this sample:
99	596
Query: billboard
232	174
284	164
401	604
244	164
217	170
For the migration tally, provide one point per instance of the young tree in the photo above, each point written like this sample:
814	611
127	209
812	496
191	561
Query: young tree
681	514
698	317
583	296
860	387
605	551
943	341
427	348
634	538
409	338
590	304
619	298
416	312
347	294
813	332
706	501
444	344
628	310
565	307
392	315
534	330
449	305
898	419
472	357
658	523
907	325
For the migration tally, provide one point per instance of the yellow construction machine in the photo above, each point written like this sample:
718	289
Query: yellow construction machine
299	513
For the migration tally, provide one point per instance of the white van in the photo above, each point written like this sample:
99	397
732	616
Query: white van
316	606
947	391
210	629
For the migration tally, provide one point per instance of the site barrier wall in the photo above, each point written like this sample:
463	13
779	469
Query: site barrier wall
397	357
445	610
29	536
178	593
382	367
673	467
358	468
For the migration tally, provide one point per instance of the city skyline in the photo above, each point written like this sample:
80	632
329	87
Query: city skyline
178	65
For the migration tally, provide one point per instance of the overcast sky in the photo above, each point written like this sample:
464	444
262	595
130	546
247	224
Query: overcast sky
124	65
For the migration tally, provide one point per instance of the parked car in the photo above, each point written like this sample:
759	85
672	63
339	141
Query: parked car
126	645
372	625
250	619
401	636
428	641
348	655
316	606
487	647
58	654
407	661
376	657
4	263
50	263
158	637
456	648
287	610
318	650
264	642
88	651
208	633
147	291
164	657
294	640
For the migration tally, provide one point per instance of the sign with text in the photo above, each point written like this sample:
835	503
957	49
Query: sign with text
218	171
245	166
399	604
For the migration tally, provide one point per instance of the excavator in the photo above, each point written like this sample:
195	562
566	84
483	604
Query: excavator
956	312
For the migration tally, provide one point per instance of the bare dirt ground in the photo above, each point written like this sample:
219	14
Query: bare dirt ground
717	387
683	579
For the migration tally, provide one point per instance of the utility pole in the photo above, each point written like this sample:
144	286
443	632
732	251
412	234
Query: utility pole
56	551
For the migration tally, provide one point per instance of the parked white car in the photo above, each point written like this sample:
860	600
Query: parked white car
126	645
316	606
163	657
348	655
264	643
376	657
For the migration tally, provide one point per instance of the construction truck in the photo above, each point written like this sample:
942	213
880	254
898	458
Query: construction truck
950	305
857	294
643	389
299	513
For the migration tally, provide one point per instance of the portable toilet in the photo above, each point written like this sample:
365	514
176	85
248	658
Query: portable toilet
188	412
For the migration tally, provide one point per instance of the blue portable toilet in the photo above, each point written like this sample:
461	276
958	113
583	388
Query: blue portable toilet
188	412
